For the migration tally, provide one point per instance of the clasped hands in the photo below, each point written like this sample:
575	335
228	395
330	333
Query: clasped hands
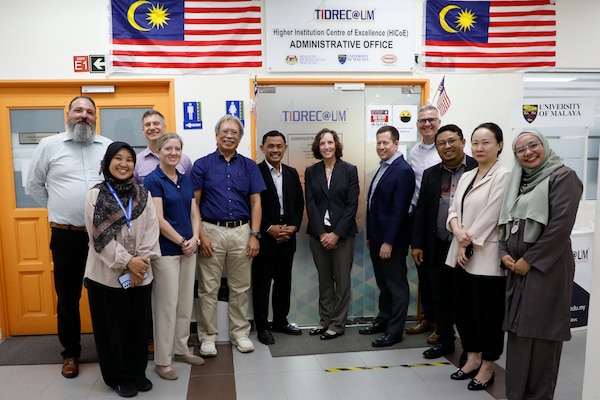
519	267
329	240
137	267
281	233
464	239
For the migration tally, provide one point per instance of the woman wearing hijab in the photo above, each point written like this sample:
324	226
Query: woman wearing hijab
123	229
537	217
174	272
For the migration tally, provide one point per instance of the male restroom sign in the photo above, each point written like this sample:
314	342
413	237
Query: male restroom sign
192	115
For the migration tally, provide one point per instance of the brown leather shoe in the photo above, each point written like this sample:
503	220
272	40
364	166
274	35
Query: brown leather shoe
70	368
422	327
150	346
433	338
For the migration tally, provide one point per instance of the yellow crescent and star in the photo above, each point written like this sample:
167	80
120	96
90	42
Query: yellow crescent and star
157	15
465	19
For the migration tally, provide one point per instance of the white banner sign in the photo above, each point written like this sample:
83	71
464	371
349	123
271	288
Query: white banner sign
340	35
552	112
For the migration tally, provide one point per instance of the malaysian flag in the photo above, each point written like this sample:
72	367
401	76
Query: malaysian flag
443	102
185	37
517	35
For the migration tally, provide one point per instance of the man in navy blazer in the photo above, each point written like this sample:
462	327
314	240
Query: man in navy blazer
430	238
282	211
388	236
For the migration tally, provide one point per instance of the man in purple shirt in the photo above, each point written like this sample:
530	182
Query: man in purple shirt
153	125
227	188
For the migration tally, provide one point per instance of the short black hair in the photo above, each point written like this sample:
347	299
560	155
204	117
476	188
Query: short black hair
273	134
451	128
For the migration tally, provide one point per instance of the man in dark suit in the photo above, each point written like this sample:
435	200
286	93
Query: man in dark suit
282	210
388	236
430	238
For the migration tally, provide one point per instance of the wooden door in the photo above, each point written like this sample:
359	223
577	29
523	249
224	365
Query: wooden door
28	298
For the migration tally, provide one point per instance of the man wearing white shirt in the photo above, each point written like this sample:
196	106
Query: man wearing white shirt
422	156
63	169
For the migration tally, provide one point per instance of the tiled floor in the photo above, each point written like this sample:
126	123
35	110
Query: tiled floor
232	375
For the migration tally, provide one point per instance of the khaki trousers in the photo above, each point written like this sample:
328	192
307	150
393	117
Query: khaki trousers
172	304
230	250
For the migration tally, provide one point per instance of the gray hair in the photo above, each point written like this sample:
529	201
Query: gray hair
229	117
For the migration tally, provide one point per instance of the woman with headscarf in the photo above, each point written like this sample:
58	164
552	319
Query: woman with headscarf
535	223
123	229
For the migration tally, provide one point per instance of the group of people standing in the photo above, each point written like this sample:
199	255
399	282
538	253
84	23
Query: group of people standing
488	244
493	251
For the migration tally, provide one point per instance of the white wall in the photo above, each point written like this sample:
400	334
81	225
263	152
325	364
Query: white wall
39	39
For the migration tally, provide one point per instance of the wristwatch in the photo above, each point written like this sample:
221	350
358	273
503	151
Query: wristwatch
256	234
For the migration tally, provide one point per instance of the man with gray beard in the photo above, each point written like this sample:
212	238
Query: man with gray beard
63	168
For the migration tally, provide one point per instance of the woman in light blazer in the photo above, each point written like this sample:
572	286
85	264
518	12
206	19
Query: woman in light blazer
473	220
331	187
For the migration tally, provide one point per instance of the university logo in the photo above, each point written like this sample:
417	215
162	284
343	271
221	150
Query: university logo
530	112
342	58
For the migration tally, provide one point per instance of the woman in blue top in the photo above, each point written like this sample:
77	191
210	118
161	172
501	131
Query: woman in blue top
173	290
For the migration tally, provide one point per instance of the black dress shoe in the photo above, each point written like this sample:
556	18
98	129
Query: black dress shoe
389	339
461	375
126	389
329	336
478	385
288	329
266	337
377	326
143	384
316	331
438	350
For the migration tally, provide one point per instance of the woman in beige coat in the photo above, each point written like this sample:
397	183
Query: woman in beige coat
473	220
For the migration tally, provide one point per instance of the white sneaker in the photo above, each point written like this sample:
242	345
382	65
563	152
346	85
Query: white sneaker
243	344
208	348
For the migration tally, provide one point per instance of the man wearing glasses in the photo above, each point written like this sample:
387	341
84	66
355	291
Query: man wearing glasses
227	188
422	156
430	238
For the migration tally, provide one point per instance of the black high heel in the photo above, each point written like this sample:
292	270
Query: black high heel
461	375
317	331
476	384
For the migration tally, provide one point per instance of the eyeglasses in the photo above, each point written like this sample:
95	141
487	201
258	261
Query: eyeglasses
231	132
523	149
425	120
451	142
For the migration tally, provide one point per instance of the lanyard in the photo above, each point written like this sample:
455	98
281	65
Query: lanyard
126	213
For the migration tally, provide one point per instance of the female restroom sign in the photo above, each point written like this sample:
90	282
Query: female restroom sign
235	108
192	115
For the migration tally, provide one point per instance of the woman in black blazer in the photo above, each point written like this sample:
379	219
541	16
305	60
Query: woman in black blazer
331	187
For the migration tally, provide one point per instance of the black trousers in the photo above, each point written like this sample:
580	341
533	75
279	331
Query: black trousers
394	293
271	267
119	319
443	283
480	312
69	254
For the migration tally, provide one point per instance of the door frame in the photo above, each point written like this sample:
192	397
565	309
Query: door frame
47	88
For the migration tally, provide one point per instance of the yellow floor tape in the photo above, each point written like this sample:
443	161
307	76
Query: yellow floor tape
380	367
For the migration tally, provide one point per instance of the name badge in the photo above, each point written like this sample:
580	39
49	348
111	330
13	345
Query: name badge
129	243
